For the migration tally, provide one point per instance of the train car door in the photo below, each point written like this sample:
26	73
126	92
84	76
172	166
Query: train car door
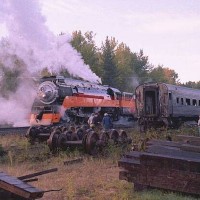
151	101
147	100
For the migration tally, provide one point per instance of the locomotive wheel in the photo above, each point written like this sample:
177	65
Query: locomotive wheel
68	134
104	138
91	143
114	136
62	138
31	134
46	129
72	128
74	137
89	130
80	132
63	129
57	128
85	127
53	140
84	142
123	136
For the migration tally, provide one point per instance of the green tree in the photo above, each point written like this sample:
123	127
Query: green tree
141	66
192	84
166	75
110	71
123	59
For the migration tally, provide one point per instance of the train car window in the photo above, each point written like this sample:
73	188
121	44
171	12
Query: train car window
177	100
170	96
181	101
111	93
194	102
187	102
199	102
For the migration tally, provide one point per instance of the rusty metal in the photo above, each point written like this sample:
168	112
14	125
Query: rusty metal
80	132
91	143
104	138
123	136
53	139
114	136
74	137
90	140
61	141
166	105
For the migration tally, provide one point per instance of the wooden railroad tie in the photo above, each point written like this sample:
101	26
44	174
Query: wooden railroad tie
18	188
166	165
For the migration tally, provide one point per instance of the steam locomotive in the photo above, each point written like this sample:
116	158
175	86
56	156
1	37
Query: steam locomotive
65	99
160	104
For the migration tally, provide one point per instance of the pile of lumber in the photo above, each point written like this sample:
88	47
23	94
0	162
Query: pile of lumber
18	188
170	165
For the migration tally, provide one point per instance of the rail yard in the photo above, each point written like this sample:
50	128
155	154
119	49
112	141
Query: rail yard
95	163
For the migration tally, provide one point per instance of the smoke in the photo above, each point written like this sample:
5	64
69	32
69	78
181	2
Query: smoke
30	47
134	81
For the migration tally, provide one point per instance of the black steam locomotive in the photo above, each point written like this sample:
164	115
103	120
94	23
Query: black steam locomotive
160	104
65	99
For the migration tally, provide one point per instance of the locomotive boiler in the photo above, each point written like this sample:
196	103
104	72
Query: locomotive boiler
65	99
160	104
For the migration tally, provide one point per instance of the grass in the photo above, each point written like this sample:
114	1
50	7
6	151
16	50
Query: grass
94	178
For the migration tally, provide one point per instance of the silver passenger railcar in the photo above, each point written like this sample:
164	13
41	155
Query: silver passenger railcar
160	104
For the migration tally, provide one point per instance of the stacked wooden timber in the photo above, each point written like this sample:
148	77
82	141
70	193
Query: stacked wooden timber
19	189
13	188
170	165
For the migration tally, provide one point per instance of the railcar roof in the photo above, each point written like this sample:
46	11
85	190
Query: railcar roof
171	87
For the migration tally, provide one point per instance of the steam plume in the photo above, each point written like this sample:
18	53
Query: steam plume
32	45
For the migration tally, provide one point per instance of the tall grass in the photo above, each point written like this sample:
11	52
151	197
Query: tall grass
94	178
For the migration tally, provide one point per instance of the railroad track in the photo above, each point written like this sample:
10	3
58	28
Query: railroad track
14	130
23	130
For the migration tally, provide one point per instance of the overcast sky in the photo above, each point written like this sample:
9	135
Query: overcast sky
168	31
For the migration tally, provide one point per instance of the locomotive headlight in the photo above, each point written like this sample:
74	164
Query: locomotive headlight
47	92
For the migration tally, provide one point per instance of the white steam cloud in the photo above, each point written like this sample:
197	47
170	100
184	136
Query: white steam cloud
31	42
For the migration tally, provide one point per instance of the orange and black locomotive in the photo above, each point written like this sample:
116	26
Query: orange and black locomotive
65	99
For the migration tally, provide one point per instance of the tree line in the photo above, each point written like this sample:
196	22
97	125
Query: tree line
113	62
119	67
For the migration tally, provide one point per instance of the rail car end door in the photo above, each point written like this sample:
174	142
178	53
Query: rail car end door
151	101
147	100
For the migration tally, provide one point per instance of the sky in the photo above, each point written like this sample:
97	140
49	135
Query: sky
168	31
